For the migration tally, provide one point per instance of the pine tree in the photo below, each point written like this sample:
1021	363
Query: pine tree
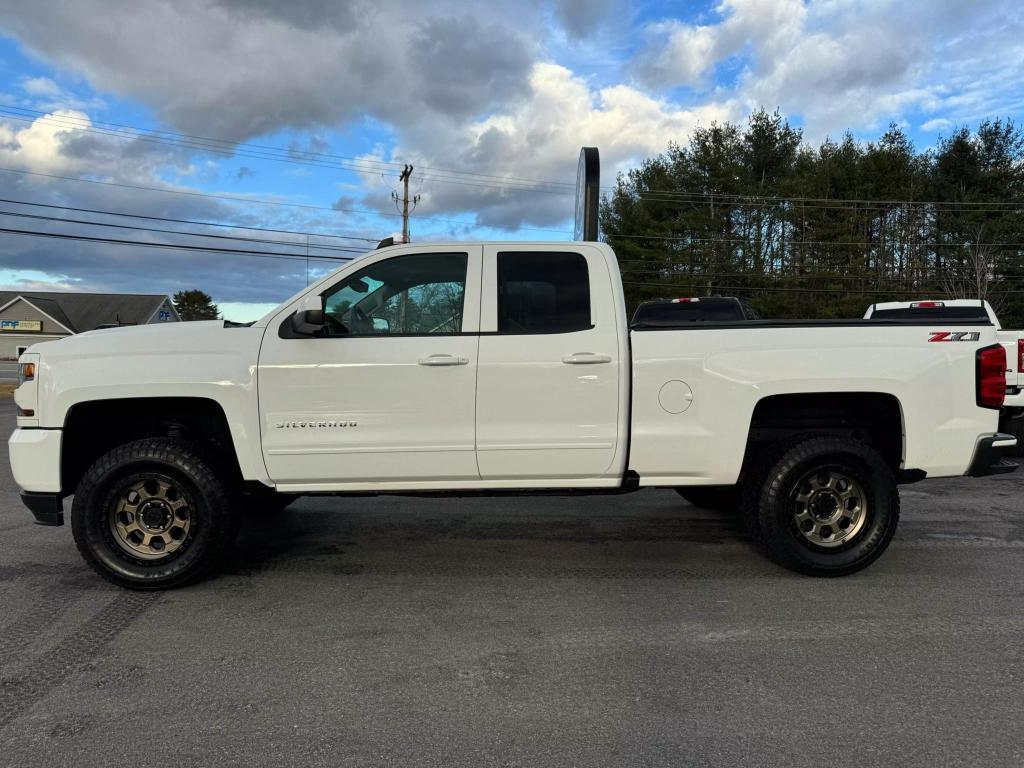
195	305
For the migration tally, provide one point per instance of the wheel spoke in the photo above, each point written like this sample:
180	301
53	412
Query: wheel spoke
150	518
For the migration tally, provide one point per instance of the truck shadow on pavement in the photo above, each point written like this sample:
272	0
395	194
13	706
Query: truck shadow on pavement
584	536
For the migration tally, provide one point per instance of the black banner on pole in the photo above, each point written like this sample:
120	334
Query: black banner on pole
588	194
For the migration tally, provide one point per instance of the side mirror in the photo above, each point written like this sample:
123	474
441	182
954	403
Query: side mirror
308	319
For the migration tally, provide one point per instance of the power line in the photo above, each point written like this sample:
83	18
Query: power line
169	246
468	178
706	196
139	228
853	206
229	145
167	219
794	242
280	154
772	289
254	201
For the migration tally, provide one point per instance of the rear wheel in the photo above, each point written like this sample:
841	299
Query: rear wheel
825	506
721	498
152	514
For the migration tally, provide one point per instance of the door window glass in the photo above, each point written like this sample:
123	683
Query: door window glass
543	293
419	294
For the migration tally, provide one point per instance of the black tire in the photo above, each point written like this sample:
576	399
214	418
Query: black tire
772	496
207	509
720	498
1015	427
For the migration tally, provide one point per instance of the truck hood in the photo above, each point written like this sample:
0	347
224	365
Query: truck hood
162	337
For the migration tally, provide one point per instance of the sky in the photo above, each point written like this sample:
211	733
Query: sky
297	117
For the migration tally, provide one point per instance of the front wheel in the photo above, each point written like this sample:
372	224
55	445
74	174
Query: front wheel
826	506
152	514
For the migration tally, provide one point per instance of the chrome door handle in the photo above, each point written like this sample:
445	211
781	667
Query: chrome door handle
586	358
443	360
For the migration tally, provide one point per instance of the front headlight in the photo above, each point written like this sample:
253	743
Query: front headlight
26	396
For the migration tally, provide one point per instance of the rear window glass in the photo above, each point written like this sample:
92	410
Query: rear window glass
939	313
543	293
667	313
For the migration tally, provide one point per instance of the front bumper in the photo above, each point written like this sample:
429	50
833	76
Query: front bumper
990	456
35	459
35	464
46	508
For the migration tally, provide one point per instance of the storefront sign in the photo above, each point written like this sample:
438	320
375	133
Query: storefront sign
20	326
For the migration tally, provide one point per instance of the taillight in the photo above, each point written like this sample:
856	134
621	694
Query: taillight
685	301
927	304
991	377
1020	355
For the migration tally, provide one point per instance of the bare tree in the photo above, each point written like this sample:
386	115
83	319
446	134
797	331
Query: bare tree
975	276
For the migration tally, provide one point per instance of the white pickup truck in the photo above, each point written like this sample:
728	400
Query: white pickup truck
493	367
1011	418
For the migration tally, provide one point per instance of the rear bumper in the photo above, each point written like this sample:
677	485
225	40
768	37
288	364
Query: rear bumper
1014	398
46	508
990	456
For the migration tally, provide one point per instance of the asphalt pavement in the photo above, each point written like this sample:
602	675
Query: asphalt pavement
555	631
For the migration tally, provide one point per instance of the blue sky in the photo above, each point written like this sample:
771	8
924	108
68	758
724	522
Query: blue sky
314	103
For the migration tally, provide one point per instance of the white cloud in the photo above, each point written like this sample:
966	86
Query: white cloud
540	136
685	54
842	65
42	263
938	124
236	70
40	86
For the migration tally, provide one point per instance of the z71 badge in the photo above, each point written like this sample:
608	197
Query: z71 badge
955	336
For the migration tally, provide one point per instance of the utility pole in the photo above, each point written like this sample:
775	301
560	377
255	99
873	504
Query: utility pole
404	178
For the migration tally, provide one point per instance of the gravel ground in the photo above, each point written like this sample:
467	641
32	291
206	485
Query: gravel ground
585	631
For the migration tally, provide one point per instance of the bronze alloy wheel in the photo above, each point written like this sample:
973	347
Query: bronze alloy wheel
829	507
151	517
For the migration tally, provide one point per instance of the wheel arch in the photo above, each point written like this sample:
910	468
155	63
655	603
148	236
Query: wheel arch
94	427
875	418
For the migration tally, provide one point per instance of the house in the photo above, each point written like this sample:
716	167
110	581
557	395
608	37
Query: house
27	317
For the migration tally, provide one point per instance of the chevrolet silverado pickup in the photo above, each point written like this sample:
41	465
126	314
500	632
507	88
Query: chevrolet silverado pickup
495	367
1011	420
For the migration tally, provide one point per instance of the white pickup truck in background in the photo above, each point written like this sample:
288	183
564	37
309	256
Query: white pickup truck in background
1012	416
492	367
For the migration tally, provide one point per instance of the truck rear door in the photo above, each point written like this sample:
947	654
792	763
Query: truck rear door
551	363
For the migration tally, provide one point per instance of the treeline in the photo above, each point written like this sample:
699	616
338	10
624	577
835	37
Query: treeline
804	231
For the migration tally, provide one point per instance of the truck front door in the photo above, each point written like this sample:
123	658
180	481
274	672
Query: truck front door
386	393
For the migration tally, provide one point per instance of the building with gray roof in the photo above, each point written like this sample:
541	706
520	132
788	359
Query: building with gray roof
27	317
